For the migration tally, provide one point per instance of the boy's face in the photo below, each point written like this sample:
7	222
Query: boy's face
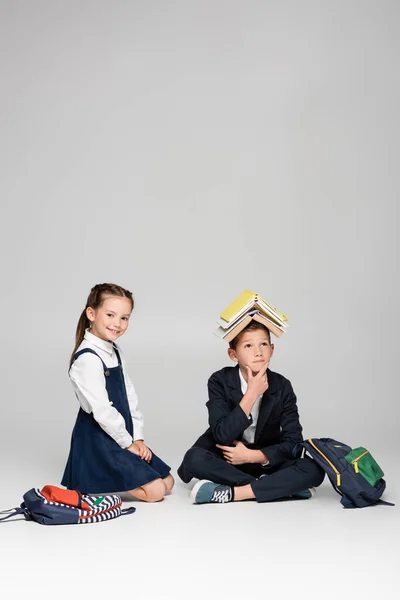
253	350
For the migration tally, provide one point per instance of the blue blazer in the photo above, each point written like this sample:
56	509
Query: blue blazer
278	427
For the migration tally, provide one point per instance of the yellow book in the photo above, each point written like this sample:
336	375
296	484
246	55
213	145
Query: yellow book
238	304
245	301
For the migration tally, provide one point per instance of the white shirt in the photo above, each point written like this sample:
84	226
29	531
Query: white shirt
89	383
249	433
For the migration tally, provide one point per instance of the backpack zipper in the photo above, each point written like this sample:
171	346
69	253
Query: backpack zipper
328	461
355	461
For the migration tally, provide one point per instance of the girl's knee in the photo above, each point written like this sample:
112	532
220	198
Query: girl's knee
169	482
155	490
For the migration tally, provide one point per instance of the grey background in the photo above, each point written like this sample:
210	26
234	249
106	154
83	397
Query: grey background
188	150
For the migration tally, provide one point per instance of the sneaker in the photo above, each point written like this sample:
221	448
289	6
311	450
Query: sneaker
304	494
205	492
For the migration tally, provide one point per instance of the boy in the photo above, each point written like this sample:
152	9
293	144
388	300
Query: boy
247	452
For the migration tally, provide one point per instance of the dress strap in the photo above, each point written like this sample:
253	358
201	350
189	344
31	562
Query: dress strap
118	356
85	351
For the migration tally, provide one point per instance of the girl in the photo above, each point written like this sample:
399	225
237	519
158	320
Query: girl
107	452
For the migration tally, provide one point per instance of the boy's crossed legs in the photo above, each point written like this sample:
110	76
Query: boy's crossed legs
247	482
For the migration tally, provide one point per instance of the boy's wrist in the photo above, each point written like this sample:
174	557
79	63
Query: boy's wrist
258	457
265	460
247	402
251	395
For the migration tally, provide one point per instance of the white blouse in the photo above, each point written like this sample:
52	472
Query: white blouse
89	383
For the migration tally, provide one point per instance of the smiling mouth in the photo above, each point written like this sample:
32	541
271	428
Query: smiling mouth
113	330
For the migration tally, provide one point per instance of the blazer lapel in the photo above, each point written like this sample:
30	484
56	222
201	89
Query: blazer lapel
234	384
267	403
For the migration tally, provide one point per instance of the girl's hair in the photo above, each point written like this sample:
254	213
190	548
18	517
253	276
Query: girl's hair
95	300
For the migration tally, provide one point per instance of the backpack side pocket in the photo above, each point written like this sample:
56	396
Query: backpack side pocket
364	463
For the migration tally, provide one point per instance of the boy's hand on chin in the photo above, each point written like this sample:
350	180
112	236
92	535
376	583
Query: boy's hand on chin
258	384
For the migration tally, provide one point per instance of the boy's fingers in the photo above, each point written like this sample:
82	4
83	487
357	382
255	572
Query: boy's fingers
263	369
223	448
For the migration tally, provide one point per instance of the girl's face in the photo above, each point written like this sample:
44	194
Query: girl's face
111	319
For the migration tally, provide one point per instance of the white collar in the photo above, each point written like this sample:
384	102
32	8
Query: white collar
99	343
243	382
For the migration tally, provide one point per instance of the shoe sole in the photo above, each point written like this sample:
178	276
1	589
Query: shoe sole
196	488
298	497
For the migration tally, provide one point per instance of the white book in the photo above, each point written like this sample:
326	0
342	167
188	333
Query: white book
258	305
229	333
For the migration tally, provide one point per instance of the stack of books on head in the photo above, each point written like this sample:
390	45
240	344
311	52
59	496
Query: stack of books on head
247	307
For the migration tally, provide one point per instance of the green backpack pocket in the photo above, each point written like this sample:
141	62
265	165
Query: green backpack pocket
365	464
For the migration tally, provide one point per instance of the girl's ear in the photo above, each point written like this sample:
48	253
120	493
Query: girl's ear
232	354
90	313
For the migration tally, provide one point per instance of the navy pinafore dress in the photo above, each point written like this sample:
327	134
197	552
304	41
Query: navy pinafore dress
96	463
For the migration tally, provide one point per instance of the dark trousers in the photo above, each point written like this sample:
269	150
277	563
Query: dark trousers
291	477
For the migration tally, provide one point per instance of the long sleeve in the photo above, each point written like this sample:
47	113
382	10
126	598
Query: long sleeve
137	416
88	380
226	424
291	430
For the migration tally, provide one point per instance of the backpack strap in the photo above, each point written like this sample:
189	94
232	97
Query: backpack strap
385	502
12	512
348	504
128	511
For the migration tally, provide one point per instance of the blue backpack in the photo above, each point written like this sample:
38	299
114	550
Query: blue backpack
54	506
353	473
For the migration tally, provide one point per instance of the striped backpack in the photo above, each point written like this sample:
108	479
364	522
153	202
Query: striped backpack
353	473
54	506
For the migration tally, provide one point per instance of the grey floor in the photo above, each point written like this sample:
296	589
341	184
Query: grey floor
174	550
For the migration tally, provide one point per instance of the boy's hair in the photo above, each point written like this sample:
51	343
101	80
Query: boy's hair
252	326
95	300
